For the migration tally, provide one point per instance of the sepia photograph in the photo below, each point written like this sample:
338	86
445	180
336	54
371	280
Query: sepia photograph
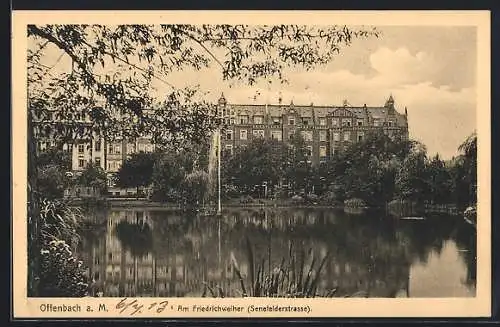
185	167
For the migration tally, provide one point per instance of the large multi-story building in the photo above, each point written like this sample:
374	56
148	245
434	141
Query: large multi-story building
325	129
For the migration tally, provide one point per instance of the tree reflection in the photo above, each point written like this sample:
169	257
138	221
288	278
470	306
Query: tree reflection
369	254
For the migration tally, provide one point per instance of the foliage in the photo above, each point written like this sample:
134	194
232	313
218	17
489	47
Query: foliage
137	170
256	164
52	181
168	174
297	165
297	276
53	156
61	274
58	221
93	176
194	187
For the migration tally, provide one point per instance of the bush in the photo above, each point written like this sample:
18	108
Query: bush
354	203
61	274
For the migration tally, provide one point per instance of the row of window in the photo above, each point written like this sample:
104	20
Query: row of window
306	135
309	150
259	120
117	148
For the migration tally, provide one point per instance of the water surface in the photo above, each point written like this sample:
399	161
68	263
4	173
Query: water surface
136	252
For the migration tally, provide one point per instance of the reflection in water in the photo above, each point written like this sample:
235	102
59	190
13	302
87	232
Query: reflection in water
173	254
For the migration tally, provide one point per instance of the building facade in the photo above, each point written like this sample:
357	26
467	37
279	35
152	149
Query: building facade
325	129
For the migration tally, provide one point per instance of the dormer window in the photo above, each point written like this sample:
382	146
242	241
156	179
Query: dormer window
243	119
258	120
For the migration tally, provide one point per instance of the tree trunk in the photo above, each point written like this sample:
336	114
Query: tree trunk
33	214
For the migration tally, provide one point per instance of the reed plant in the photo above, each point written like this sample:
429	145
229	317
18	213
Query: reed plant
296	276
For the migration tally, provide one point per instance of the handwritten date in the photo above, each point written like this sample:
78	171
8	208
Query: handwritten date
133	306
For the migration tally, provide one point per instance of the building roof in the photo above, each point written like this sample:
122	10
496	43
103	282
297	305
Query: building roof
312	111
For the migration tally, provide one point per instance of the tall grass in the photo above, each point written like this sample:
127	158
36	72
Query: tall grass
296	276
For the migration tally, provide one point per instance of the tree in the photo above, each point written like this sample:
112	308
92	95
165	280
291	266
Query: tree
469	150
168	175
259	163
94	176
411	179
297	164
137	171
113	66
439	181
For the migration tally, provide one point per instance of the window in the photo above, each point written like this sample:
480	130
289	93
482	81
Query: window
229	149
231	121
276	121
81	148
258	133
98	161
322	136
347	136
309	150
336	136
322	121
81	163
229	135
110	150
322	151
346	122
98	145
360	122
290	135
307	135
258	120
305	121
291	121
276	135
361	135
118	149
335	122
376	122
244	119
243	134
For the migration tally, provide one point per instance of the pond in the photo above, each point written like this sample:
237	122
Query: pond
277	252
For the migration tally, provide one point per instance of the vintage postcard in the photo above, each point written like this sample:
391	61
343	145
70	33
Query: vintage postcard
251	164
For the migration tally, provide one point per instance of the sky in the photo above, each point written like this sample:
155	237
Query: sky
429	70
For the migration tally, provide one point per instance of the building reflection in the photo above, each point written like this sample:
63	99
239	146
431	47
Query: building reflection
167	254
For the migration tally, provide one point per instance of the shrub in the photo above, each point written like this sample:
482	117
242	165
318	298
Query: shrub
61	274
